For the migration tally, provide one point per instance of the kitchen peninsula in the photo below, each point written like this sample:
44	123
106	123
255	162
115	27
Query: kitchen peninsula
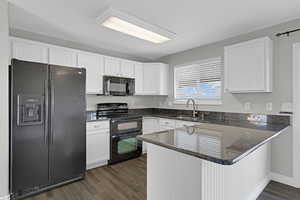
209	162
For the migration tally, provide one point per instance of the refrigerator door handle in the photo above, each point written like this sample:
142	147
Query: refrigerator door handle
52	110
46	111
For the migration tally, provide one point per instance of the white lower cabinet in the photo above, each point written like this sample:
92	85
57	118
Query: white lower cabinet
97	144
155	124
150	125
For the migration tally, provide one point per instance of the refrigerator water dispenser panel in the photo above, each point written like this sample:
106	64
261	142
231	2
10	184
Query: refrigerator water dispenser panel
30	110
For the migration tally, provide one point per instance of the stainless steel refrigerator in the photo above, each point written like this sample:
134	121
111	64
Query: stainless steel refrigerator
47	126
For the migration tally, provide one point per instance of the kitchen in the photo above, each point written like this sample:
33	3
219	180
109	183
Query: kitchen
214	96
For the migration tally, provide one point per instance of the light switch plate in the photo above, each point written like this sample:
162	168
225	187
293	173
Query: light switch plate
247	106
269	106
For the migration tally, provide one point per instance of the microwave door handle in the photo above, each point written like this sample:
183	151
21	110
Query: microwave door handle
108	86
127	88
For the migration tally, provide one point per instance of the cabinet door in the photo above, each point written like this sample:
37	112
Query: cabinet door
139	78
151	79
150	125
94	65
112	66
164	79
29	51
97	151
127	69
62	56
248	66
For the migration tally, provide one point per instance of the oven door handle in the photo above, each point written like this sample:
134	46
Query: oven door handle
138	119
120	137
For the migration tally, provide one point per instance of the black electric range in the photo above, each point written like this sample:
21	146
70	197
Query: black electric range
124	128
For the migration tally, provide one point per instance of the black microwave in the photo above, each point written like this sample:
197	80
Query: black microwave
118	86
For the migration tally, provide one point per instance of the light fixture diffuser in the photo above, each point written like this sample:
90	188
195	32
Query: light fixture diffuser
133	26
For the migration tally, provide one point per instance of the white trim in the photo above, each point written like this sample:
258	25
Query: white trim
283	179
296	113
7	197
259	189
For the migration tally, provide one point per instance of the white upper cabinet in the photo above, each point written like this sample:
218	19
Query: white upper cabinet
155	79
62	56
139	78
29	51
248	66
118	67
127	68
151	79
94	65
112	66
164	79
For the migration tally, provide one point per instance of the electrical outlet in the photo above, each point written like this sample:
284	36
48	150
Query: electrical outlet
286	107
247	106
269	106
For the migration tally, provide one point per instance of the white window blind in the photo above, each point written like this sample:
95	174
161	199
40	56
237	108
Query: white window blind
201	80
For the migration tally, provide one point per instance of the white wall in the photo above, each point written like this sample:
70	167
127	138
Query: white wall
4	56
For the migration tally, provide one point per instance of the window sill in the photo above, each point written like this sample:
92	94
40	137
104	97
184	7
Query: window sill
200	102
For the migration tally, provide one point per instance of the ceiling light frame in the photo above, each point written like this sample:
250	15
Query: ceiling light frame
110	14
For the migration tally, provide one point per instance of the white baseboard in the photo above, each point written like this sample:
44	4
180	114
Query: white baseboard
7	197
287	180
95	164
259	188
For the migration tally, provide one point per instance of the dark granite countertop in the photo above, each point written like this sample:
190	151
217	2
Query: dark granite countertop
224	144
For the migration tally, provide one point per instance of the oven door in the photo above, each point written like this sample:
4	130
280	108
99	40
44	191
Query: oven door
124	147
128	125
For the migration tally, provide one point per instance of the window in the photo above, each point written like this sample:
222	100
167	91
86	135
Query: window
200	80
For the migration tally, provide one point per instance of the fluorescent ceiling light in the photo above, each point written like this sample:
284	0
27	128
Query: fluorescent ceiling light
130	25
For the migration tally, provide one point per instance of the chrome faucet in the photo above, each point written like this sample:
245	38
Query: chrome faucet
194	106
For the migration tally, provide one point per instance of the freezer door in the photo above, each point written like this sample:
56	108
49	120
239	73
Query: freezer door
68	123
28	132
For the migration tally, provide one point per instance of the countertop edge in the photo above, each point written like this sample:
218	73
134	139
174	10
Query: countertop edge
209	158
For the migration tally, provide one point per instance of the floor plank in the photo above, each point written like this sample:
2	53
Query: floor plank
127	181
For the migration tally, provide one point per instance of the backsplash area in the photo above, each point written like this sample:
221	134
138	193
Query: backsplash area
133	101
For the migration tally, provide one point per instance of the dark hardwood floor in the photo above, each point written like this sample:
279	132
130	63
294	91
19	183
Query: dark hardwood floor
127	181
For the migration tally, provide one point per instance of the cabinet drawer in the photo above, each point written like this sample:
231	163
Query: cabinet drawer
180	123
96	126
164	128
167	122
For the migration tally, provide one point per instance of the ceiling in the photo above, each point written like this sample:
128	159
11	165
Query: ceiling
195	22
